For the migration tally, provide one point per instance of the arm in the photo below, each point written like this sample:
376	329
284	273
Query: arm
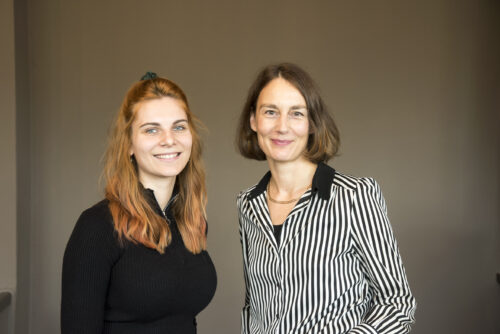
393	305
245	313
88	260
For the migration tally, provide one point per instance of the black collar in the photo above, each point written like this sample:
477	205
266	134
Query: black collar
322	181
150	197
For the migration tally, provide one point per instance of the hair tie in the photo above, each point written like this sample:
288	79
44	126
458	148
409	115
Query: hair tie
149	76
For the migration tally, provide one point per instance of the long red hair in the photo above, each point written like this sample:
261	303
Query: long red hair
133	217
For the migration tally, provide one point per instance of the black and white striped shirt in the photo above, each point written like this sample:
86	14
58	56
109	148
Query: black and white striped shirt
336	269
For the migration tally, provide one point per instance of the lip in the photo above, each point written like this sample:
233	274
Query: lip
281	142
168	156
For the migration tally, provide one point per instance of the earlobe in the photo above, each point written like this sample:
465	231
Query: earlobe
252	122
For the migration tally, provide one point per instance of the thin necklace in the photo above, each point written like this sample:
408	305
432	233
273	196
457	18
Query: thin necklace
284	202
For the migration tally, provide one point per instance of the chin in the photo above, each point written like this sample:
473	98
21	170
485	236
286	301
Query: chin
169	173
174	173
282	159
284	156
171	170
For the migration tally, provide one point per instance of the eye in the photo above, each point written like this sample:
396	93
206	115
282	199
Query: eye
180	127
151	131
270	112
297	113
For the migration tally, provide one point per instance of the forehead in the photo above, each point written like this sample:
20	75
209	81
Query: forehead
280	91
162	109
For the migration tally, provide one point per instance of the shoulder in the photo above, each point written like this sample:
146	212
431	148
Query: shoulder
254	191
245	194
354	183
95	224
357	186
93	241
329	182
100	209
243	199
360	191
97	216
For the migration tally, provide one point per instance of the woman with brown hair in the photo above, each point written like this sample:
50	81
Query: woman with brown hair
136	262
319	254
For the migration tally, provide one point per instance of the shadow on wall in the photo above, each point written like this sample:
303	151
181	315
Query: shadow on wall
5	310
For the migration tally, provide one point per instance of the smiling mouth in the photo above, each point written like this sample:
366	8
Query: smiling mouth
281	142
168	156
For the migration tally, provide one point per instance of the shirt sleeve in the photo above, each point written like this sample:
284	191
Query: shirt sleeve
88	259
393	305
245	313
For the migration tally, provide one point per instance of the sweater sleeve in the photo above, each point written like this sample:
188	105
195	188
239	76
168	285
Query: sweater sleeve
88	259
393	304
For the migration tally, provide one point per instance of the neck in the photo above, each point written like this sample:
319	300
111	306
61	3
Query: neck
289	178
162	189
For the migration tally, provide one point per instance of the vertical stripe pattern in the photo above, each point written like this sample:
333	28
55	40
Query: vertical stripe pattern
336	269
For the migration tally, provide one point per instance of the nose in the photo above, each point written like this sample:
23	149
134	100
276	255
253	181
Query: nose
168	139
282	123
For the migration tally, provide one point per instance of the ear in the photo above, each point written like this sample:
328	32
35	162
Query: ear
253	122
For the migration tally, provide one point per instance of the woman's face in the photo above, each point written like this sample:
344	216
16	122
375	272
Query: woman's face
161	140
281	122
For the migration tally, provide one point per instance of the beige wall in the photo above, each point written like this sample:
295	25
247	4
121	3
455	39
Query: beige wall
8	164
412	86
23	169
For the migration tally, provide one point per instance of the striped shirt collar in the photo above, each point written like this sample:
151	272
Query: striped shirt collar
322	181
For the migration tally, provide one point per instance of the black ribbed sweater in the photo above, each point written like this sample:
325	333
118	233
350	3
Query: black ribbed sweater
108	288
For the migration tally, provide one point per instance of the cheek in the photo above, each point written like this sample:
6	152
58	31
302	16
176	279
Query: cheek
189	144
186	141
142	145
302	129
263	126
261	141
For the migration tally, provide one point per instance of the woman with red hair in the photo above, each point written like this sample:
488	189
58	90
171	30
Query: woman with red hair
136	262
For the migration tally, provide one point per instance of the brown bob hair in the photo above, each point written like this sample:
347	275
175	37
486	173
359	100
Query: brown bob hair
133	217
323	141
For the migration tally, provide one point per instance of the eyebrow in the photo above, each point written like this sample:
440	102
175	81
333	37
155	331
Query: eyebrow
158	124
298	106
149	124
268	106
